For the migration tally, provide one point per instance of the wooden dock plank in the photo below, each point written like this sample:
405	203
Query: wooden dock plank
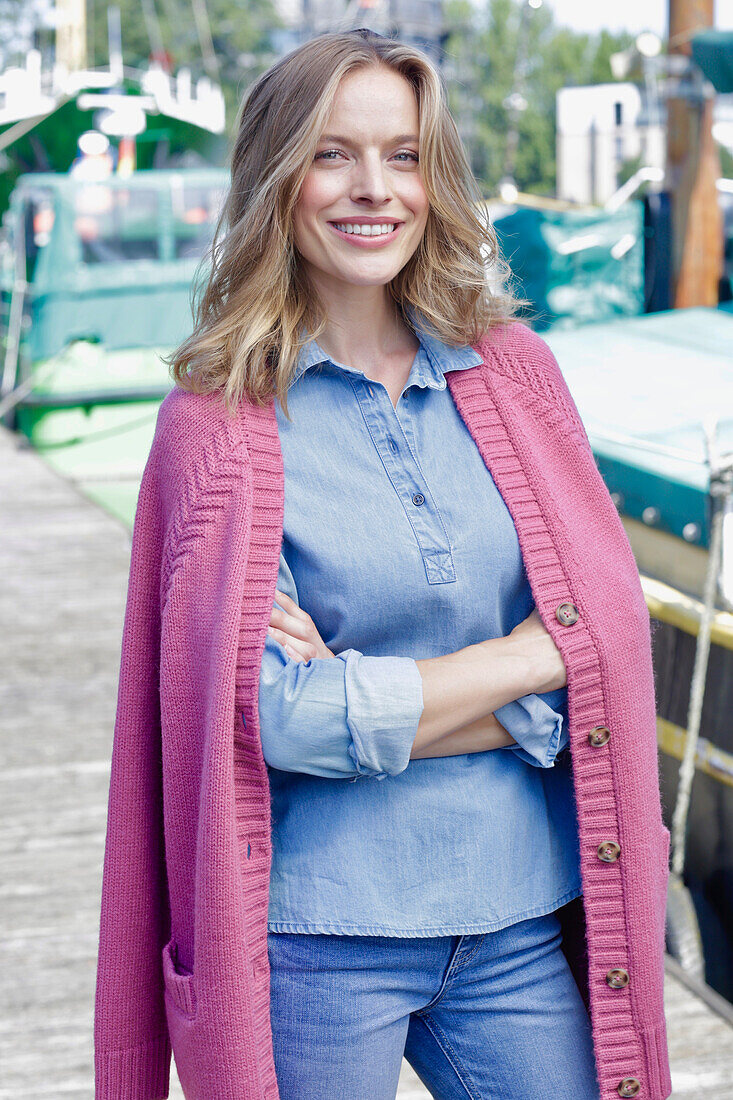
64	565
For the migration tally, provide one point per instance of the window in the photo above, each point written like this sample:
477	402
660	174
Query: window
115	224
196	209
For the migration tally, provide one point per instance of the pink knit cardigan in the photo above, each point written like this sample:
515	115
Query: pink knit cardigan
183	940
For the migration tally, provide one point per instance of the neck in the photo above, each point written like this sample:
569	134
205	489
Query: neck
363	325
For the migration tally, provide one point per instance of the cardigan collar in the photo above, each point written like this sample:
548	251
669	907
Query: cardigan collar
434	357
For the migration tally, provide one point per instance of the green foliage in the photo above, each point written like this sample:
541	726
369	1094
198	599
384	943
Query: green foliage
482	54
726	162
240	31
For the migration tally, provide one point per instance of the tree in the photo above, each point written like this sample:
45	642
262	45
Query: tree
481	59
240	32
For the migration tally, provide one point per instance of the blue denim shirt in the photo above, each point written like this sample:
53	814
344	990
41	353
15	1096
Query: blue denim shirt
399	546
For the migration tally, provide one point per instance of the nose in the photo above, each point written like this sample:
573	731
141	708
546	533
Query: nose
369	182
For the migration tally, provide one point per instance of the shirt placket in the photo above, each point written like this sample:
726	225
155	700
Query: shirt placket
407	479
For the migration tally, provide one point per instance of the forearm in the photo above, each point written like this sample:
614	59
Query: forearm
480	735
461	689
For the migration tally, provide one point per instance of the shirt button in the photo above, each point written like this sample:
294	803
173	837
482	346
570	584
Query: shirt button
567	614
418	498
629	1086
617	979
609	851
599	735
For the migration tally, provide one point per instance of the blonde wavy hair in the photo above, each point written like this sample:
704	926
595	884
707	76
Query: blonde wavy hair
254	297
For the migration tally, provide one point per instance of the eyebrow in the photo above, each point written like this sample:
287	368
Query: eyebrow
398	140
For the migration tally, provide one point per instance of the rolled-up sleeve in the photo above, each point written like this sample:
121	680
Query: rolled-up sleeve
339	717
384	702
538	724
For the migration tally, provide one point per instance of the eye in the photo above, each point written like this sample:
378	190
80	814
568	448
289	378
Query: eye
331	154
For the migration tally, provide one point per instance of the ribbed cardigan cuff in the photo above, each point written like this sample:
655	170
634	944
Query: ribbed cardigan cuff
138	1073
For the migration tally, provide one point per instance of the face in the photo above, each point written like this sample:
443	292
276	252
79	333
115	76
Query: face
365	173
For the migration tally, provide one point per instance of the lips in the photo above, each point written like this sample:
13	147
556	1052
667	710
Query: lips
368	241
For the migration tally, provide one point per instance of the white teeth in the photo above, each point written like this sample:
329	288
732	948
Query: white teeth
366	230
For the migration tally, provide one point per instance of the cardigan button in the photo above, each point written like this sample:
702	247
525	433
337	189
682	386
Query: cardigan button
599	735
617	979
567	614
629	1086
609	851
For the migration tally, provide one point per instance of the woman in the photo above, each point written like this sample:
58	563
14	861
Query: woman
431	486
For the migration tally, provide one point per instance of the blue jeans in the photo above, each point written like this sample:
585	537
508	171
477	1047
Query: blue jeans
496	1016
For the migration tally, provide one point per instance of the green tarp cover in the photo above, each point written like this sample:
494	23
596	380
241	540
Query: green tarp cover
712	51
574	266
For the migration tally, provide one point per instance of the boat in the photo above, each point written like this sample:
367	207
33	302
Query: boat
655	393
99	244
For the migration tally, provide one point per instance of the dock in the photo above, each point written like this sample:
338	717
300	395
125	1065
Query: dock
64	567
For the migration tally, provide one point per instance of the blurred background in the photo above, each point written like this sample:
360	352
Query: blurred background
602	139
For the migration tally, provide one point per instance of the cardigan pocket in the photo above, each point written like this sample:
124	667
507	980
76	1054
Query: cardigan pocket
179	985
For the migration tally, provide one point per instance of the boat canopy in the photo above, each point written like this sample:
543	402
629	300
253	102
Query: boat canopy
111	260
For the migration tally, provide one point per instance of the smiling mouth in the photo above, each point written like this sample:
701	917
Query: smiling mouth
367	234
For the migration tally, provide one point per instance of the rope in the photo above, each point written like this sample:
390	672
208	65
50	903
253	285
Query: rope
206	44
721	490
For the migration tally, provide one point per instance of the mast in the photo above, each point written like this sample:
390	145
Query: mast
693	167
71	35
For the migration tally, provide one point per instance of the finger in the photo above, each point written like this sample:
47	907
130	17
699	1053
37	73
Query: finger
299	651
289	624
305	650
289	604
293	654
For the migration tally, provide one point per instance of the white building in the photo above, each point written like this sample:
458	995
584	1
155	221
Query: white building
598	128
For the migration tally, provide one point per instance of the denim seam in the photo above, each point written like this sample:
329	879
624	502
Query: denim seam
450	1055
463	962
455	966
446	978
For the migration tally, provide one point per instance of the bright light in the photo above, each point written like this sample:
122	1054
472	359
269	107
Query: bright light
535	3
93	144
508	191
123	120
649	44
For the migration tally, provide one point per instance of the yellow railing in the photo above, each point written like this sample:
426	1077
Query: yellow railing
709	759
669	605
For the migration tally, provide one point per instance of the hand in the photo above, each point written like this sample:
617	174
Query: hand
296	631
538	646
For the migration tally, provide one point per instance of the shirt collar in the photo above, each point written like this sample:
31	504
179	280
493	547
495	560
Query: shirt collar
432	361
